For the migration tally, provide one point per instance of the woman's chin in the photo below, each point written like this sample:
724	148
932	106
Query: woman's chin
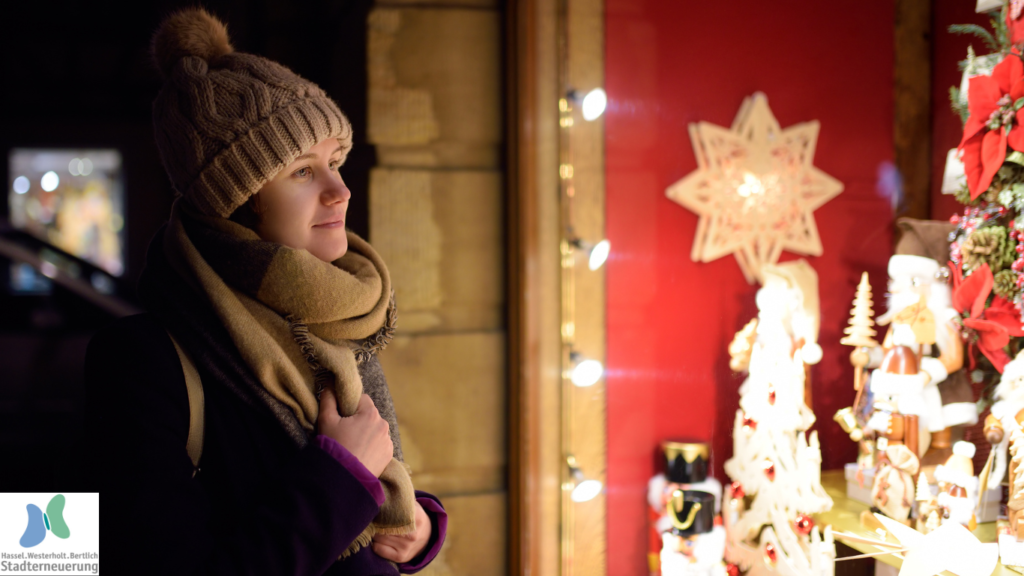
330	253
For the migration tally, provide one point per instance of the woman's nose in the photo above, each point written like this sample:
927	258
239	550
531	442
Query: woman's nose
336	192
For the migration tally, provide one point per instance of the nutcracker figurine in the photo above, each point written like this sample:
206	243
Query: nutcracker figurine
687	539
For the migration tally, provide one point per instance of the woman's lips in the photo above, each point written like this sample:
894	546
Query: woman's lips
332	224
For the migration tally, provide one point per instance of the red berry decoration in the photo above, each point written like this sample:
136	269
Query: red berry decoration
737	490
771	389
771	555
1020	248
1017	265
769	470
803	524
749	422
954	219
732	569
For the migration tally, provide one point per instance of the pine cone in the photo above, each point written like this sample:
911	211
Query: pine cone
990	245
1005	284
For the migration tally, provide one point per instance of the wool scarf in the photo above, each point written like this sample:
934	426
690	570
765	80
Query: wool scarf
298	323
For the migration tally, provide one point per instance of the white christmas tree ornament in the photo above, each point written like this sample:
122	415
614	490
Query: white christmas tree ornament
775	463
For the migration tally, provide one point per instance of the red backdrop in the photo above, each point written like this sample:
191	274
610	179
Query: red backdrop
669	63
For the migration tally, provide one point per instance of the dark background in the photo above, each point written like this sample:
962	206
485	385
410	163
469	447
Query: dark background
79	75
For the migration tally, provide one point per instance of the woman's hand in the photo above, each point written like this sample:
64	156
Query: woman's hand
405	547
365	434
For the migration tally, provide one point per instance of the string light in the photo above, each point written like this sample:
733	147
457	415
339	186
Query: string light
586	490
583	489
586	372
578	492
597	254
580	372
594	104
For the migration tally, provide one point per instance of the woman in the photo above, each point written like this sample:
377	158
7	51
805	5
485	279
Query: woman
282	312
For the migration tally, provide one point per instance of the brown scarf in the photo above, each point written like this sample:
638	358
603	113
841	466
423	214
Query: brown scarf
295	321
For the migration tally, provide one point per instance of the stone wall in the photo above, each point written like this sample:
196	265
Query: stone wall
437	213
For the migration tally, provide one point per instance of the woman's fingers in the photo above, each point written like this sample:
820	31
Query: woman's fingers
328	407
394	548
405	546
365	434
386	551
366	405
327	398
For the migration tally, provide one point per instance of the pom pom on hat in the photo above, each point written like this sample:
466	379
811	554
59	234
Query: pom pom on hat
191	32
965	449
958	469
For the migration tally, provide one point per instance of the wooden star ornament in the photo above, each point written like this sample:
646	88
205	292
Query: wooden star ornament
755	189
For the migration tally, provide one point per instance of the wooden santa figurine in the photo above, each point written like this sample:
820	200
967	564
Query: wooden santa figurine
920	298
920	317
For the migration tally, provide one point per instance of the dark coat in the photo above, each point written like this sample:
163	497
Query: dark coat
259	504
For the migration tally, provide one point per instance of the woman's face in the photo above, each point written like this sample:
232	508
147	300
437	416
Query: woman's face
304	205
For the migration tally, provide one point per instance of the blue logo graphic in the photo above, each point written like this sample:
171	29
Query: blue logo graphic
40	522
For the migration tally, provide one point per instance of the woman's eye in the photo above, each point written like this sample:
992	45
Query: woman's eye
303	172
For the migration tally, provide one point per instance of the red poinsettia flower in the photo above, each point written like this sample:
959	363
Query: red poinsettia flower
994	325
992	103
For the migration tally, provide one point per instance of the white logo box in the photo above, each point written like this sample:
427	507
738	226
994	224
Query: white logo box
77	554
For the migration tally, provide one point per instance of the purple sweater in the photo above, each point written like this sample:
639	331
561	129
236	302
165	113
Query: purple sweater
438	517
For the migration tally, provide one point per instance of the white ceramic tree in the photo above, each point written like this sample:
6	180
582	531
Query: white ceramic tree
774	462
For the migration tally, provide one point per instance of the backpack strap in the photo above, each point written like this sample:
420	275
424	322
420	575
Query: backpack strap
196	406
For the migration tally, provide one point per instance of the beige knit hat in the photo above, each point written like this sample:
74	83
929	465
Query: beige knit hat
227	122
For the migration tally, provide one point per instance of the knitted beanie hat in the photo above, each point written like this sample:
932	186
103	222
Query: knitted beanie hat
227	122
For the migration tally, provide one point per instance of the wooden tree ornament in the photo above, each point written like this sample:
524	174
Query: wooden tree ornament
755	189
860	334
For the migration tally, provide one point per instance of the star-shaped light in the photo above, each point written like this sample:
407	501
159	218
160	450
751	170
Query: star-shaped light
755	189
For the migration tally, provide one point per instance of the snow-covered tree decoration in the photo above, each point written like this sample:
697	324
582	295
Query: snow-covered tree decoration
774	462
